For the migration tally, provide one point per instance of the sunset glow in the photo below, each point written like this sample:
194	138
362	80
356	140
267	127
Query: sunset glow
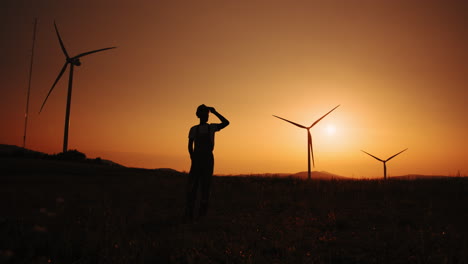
330	129
397	68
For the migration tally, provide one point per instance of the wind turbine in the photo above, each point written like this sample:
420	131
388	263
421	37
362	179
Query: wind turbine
73	61
310	151
384	161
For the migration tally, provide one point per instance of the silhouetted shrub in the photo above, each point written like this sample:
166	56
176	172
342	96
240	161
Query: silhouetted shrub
72	155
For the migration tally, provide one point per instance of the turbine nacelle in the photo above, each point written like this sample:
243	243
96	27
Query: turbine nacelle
74	61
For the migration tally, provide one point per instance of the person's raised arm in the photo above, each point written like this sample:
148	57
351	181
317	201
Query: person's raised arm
224	121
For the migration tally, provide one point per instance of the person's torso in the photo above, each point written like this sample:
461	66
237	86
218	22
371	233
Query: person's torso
204	138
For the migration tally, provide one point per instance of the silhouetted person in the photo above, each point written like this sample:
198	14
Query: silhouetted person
200	146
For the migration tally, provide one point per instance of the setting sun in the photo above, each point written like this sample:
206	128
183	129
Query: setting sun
330	129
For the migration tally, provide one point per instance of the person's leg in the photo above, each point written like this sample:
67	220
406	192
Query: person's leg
206	184
192	187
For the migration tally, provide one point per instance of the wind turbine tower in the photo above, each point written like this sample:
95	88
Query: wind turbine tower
310	152
72	61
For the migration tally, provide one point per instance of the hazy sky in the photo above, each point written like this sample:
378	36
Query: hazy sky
398	68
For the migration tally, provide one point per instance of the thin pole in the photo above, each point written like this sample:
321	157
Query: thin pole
385	171
308	156
67	112
29	85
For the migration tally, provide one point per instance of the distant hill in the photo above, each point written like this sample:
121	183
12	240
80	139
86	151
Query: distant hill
12	151
417	177
268	175
161	171
169	171
319	175
36	160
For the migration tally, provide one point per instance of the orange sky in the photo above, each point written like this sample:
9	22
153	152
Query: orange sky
398	68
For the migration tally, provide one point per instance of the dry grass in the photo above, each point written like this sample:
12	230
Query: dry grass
56	212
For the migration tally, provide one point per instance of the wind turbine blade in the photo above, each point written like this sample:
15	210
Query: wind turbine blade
56	80
324	116
372	156
90	52
296	124
396	155
61	42
311	148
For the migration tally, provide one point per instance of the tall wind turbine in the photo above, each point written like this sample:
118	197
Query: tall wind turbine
384	161
310	152
73	61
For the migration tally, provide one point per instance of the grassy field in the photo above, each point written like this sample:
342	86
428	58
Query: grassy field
59	212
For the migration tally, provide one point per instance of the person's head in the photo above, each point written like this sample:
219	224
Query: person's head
202	113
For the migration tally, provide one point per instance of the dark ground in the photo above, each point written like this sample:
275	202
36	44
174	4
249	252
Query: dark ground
64	212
